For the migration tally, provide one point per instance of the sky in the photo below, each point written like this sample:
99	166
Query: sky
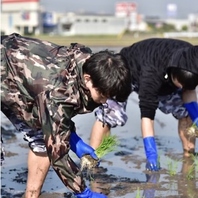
145	7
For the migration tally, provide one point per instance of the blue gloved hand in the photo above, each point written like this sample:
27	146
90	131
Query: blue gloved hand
152	163
192	108
81	148
87	193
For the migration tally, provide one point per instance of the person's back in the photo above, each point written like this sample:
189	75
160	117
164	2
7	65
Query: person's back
151	56
148	62
35	68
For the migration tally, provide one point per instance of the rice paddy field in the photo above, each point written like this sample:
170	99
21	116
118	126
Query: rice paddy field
121	173
110	41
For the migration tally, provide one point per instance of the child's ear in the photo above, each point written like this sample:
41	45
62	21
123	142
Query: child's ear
176	82
86	77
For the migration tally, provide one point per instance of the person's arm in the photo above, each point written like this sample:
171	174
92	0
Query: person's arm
147	127
149	144
98	133
189	98
148	96
108	116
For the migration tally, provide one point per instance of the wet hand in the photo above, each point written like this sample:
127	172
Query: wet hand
152	164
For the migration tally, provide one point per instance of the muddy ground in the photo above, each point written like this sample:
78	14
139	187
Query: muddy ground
121	173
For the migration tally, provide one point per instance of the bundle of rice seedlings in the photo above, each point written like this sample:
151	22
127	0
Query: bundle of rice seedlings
108	145
193	130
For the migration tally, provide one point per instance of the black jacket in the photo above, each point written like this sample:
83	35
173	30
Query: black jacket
149	60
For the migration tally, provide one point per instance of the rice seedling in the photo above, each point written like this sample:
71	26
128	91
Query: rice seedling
172	167
194	167
195	158
108	145
138	195
190	173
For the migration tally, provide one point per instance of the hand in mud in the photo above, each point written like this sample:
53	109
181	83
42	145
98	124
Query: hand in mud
152	164
88	162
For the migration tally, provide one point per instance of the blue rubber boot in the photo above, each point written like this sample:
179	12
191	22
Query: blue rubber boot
87	193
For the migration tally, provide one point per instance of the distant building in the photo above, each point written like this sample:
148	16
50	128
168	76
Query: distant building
125	9
193	22
125	18
49	22
26	17
21	16
179	24
90	24
129	11
185	27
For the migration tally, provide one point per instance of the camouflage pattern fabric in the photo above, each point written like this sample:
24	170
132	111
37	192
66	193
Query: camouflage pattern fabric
41	83
35	138
173	104
112	113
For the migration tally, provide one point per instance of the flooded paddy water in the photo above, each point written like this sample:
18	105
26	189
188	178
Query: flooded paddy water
121	173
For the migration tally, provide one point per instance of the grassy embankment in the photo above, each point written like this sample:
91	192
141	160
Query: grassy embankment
110	41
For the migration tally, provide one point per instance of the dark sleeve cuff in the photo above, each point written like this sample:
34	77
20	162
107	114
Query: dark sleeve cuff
148	114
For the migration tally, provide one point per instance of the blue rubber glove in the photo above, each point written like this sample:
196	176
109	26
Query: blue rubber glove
152	163
81	148
192	108
87	193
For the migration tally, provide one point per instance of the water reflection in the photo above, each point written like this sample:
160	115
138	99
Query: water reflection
152	178
114	186
187	184
184	184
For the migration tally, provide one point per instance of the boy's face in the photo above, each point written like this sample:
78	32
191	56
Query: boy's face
95	94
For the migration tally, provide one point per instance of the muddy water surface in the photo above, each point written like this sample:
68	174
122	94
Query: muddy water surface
121	173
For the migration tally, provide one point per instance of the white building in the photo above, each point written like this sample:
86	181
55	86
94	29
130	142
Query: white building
191	23
91	24
178	23
26	17
129	11
21	16
125	18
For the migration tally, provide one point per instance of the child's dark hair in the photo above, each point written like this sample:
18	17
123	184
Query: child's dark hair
187	79
110	74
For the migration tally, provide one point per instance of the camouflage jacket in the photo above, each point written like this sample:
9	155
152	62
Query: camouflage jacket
42	83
